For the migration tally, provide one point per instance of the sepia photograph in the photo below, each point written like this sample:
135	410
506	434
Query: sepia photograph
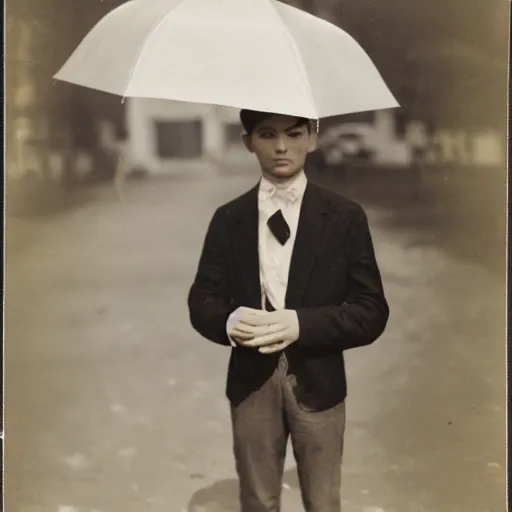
255	255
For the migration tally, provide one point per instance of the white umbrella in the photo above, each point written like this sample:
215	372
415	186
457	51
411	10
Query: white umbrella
257	54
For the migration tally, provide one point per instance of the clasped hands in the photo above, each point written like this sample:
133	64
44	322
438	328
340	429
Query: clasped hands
268	331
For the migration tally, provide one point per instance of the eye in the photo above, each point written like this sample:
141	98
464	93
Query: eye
295	135
266	135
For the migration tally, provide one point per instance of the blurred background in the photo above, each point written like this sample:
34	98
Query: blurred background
113	403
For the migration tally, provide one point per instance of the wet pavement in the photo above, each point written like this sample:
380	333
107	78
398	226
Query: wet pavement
113	403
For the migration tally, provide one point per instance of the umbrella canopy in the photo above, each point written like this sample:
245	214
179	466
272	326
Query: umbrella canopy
257	54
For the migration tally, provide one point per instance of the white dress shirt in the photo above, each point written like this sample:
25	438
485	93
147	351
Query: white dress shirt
274	258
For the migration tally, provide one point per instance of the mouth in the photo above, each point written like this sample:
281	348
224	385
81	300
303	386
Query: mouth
282	162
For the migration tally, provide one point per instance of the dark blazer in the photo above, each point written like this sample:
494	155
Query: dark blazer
334	285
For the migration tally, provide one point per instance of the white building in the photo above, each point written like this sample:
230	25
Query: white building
170	137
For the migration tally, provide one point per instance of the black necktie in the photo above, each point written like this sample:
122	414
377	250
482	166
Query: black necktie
279	227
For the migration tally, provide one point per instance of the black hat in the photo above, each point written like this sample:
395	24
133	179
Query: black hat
251	118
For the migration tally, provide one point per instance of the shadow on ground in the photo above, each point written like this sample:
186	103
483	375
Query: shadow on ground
223	496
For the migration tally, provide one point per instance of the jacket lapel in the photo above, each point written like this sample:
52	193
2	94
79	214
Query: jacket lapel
312	222
244	238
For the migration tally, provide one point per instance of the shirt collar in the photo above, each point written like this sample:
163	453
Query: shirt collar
290	190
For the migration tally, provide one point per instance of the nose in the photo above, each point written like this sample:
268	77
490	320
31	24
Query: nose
280	145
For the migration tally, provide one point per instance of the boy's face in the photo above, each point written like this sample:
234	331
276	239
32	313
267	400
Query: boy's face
280	145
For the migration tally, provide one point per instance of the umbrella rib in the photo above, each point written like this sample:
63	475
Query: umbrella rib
146	43
296	54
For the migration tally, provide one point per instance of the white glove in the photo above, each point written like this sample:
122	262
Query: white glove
241	326
281	329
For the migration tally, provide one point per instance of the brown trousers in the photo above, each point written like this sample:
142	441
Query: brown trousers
261	426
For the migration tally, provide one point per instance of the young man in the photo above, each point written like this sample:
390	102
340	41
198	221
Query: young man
288	278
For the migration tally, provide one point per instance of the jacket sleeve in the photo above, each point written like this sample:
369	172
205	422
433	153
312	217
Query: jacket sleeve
363	316
209	301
